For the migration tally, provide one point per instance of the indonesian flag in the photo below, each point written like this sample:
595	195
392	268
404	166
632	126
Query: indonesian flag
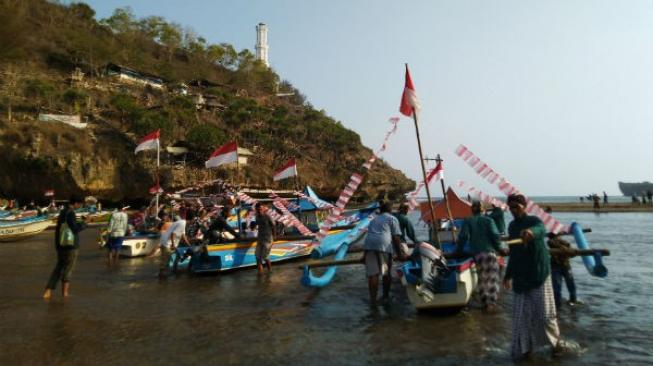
437	173
287	171
225	154
148	142
156	189
409	101
49	193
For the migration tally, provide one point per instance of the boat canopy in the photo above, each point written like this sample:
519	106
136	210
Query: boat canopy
459	208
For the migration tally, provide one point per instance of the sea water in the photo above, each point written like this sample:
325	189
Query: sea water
124	315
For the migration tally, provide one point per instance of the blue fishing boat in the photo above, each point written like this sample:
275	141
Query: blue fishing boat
240	253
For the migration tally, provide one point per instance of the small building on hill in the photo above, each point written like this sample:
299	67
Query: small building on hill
132	76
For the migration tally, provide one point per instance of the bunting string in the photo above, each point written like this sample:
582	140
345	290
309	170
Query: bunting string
484	197
486	172
354	182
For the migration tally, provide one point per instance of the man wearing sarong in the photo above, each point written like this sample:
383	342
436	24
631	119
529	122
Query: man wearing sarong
529	275
382	241
483	237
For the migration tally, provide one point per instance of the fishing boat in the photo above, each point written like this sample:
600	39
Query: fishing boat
137	244
19	229
240	253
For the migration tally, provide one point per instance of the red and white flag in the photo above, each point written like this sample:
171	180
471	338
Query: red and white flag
437	173
49	193
225	154
409	101
156	189
287	171
149	142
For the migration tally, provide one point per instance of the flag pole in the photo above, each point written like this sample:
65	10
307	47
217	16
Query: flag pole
158	163
296	179
434	232
438	160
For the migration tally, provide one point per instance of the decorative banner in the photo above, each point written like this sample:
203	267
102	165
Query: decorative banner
482	195
278	202
351	187
287	218
438	172
484	170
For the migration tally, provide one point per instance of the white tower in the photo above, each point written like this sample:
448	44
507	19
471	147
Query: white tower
262	43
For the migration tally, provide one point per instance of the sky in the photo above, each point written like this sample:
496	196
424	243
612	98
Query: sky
556	96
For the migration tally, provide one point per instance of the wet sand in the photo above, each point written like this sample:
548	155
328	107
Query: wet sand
126	316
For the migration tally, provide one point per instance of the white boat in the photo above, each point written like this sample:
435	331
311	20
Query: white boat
138	246
437	283
134	245
20	230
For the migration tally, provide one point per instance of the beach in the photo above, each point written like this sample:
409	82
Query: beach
125	315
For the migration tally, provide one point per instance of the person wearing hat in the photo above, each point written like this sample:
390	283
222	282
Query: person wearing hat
118	227
483	236
529	275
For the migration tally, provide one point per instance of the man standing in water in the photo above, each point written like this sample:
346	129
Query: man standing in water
529	275
383	238
483	237
66	242
266	234
118	227
169	241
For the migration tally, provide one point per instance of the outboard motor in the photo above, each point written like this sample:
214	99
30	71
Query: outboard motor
433	264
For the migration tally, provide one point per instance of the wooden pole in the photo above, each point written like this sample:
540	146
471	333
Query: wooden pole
158	184
450	255
434	231
446	203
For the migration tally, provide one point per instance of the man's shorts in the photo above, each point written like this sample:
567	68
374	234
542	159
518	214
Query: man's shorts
377	263
263	249
115	243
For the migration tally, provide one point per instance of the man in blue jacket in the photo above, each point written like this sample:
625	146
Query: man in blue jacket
66	250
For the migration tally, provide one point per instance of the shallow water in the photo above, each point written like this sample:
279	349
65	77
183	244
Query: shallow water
126	316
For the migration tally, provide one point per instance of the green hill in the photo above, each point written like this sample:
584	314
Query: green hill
126	77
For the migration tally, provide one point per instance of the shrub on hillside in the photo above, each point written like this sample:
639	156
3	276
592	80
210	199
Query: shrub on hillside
205	137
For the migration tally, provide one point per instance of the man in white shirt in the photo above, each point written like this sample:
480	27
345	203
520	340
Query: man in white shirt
169	241
118	227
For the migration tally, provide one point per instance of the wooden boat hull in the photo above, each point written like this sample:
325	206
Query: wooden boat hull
22	230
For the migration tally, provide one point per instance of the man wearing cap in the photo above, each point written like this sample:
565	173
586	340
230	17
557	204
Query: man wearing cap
118	227
529	275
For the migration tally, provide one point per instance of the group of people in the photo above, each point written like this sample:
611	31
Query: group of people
172	224
648	194
534	276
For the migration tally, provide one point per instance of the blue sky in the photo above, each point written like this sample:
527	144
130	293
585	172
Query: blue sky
555	95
